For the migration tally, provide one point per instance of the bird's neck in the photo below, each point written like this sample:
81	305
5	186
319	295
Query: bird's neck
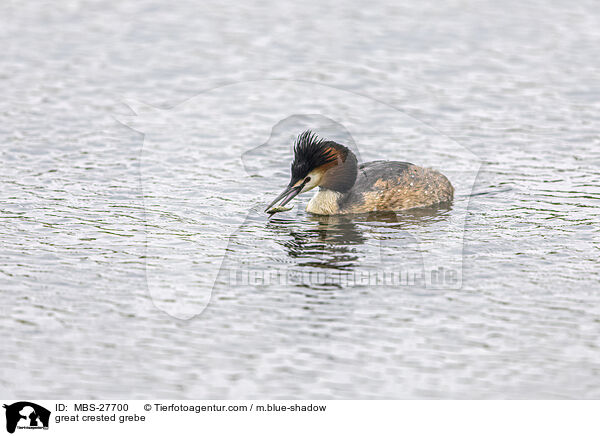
325	202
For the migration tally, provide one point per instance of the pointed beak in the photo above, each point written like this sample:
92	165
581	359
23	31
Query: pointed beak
286	196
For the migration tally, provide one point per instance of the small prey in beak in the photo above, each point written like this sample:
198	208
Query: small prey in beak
285	197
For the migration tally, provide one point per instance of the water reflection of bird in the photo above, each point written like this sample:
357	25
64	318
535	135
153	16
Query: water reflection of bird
322	244
347	187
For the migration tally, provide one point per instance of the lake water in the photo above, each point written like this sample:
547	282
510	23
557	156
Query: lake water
140	142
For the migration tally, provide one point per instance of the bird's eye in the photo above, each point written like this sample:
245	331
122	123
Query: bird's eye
307	180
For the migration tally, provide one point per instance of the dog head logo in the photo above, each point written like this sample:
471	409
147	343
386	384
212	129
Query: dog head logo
26	415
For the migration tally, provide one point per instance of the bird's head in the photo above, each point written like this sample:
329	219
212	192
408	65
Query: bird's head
318	162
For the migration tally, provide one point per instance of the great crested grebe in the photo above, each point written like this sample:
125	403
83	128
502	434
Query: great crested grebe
347	187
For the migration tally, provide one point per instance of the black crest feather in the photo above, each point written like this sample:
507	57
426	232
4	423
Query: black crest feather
311	152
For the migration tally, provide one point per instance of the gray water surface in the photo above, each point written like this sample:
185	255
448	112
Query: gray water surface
113	239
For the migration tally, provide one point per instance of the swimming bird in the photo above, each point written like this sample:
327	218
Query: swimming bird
346	187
